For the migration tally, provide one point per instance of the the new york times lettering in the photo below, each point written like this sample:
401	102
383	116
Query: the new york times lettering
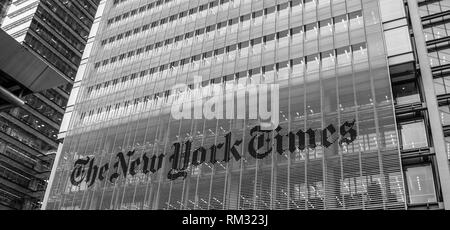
261	144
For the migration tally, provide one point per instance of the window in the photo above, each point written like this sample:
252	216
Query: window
406	93
439	55
328	60
297	67
447	146
398	41
343	56
283	70
326	28
445	114
311	31
392	10
312	63
413	135
420	184
442	85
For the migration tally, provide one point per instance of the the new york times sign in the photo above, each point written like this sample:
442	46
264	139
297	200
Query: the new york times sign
126	164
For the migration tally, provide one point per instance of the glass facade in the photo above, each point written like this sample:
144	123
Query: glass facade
337	145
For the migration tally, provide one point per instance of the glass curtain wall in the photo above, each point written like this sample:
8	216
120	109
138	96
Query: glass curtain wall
328	58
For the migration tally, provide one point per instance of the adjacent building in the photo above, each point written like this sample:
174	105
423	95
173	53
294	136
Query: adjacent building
22	175
56	32
362	107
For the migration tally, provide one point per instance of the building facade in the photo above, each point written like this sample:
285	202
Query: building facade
56	32
358	127
22	73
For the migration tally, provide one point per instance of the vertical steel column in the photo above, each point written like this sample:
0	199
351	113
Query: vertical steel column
52	178
430	97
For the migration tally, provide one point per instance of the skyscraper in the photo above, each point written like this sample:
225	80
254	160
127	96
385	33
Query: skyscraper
359	124
57	32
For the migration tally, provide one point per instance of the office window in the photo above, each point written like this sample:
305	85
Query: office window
433	7
311	31
439	55
398	41
326	28
344	56
447	146
406	93
436	30
420	184
297	67
442	85
392	10
328	60
445	114
413	135
312	63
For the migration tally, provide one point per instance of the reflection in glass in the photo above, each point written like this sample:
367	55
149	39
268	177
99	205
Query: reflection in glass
413	135
445	114
420	185
406	93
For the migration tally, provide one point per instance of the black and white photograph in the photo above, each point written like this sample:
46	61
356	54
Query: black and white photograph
251	107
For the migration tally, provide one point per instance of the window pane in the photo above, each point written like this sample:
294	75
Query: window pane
414	135
406	93
447	146
420	185
445	114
